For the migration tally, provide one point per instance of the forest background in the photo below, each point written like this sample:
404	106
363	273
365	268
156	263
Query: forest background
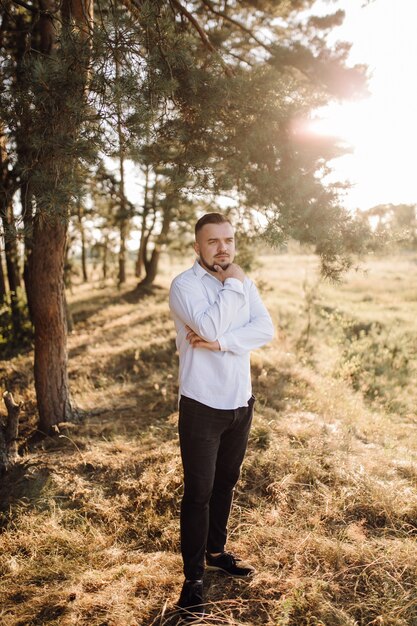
210	102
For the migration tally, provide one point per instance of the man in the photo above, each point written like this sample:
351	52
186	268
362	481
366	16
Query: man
219	318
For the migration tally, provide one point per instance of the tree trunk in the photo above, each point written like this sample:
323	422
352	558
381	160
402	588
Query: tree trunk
12	266
121	278
48	307
8	187
145	238
151	266
144	242
8	433
68	285
140	258
10	247
68	315
46	270
2	282
27	214
83	246
123	217
105	246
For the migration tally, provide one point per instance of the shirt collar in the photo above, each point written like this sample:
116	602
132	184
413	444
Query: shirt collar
199	271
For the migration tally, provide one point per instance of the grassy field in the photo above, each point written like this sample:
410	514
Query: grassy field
326	507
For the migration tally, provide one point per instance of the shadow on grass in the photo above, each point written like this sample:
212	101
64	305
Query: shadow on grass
24	483
141	292
82	310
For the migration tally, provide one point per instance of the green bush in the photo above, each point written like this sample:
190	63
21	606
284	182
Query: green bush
375	362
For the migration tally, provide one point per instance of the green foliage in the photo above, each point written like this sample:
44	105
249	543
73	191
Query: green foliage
374	360
247	252
376	363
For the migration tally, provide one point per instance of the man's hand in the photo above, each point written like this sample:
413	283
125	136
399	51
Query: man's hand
197	342
233	271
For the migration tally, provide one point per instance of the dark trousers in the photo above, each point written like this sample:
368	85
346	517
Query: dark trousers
213	444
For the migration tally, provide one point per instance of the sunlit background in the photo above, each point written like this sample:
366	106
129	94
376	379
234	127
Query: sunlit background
381	129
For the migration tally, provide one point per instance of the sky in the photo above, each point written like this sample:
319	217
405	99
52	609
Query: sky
381	129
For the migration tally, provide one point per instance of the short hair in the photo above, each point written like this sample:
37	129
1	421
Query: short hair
211	218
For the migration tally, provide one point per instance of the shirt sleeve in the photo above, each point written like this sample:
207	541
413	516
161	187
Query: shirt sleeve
256	333
189	303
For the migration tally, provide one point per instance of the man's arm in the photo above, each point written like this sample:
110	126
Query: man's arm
256	333
197	342
209	322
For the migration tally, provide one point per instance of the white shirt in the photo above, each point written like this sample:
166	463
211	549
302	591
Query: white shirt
231	313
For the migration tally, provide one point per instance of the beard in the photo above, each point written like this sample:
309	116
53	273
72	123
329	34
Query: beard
204	263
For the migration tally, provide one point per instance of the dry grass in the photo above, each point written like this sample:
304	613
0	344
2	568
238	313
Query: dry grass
327	503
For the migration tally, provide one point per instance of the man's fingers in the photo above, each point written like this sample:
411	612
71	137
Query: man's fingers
196	341
193	338
190	333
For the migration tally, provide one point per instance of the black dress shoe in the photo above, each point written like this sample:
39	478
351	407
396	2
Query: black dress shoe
191	602
229	564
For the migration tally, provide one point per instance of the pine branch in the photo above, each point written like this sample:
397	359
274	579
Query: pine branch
202	34
246	30
132	6
31	8
26	6
239	58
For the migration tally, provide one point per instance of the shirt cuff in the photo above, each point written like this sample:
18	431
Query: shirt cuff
222	344
234	284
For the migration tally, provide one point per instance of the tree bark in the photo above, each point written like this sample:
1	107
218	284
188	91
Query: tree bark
121	278
10	248
146	234
27	214
140	258
12	266
105	246
68	285
49	317
8	187
2	282
83	246
151	266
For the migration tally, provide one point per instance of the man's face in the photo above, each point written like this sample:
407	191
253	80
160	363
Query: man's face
215	245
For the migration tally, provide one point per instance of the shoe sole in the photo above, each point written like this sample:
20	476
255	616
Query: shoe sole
216	568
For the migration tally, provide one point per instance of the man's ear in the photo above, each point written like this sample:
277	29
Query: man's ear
196	248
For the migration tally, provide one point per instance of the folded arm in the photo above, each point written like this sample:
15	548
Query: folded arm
208	321
256	333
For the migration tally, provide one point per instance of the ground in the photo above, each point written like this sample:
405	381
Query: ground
326	507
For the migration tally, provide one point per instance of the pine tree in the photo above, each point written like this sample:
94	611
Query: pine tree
46	88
